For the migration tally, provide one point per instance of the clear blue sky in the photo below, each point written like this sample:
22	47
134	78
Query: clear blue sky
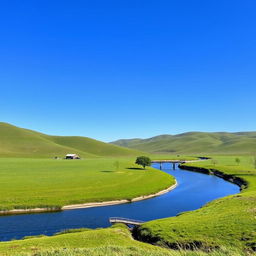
123	69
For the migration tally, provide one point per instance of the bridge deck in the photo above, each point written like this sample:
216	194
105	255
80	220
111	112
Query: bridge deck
178	161
169	161
126	221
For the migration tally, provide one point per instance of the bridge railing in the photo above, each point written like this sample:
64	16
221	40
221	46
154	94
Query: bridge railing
116	219
168	161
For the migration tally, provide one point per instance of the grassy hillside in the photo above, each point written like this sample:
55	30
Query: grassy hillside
195	142
47	183
95	147
115	241
118	237
229	221
19	142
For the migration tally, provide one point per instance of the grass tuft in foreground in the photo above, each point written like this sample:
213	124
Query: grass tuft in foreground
114	241
131	251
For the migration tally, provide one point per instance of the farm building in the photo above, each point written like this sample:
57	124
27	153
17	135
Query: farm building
72	156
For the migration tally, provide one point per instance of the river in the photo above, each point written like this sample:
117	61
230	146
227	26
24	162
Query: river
193	191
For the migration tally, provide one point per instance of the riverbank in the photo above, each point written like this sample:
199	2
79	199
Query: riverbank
88	205
113	241
184	198
97	204
48	185
242	183
228	221
136	199
79	238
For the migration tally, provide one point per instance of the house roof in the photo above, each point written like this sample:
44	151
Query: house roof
71	154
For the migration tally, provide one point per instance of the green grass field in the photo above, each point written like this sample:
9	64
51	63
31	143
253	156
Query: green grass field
34	179
230	221
226	226
118	236
114	241
30	183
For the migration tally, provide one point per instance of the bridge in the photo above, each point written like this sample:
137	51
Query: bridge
173	162
125	221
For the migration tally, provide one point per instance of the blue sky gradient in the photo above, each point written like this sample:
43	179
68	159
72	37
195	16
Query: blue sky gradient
124	69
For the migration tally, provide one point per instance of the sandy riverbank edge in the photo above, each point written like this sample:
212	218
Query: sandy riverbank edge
136	199
88	205
97	204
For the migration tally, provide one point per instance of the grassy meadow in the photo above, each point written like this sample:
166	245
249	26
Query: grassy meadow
223	227
230	221
118	236
30	177
30	183
114	241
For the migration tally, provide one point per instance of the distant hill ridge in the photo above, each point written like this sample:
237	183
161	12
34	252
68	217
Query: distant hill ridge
19	142
195	142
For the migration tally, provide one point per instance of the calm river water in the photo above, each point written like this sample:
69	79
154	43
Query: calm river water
193	191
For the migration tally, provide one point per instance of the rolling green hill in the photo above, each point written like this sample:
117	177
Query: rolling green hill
19	142
195	142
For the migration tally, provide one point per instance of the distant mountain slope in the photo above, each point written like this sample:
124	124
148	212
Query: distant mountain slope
92	146
19	142
195	142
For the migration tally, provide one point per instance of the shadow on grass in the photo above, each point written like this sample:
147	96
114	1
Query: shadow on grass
107	171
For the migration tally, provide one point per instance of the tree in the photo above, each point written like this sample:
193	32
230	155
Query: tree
116	165
254	162
214	161
143	161
237	161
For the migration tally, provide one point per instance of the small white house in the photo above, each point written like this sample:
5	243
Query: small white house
72	156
